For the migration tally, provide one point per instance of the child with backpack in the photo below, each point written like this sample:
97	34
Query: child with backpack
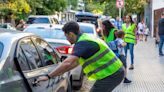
117	46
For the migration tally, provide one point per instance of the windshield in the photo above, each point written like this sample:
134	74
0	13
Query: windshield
37	20
1	49
3	26
86	29
48	33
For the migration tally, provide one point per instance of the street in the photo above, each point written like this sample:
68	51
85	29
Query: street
147	75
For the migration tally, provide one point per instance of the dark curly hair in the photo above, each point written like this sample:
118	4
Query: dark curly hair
71	26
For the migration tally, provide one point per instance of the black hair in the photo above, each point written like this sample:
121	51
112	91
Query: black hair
108	27
71	26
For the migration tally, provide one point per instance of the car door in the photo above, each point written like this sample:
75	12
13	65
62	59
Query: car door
49	56
32	66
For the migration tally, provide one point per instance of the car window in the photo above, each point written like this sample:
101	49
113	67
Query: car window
47	53
55	20
22	59
58	34
33	20
86	29
30	55
48	33
3	25
1	49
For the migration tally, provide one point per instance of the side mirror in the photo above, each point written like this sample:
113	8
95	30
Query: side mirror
63	58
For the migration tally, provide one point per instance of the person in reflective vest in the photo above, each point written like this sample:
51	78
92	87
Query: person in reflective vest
108	31
130	37
99	63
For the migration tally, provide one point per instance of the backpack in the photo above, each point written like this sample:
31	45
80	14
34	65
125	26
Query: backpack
113	46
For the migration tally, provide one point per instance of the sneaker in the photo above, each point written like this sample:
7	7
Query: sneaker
161	54
127	81
131	67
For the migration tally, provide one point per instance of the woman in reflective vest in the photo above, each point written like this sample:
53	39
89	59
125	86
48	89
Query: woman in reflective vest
108	31
130	37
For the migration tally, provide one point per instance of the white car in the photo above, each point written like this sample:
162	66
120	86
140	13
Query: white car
42	19
55	36
88	28
7	26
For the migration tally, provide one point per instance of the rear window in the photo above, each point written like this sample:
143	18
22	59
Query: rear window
86	29
37	20
48	33
1	49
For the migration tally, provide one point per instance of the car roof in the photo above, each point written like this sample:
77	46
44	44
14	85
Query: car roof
38	16
8	38
7	33
86	24
44	26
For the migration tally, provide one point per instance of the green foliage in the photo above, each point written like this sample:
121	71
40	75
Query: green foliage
131	6
12	8
94	7
45	7
110	9
21	8
72	3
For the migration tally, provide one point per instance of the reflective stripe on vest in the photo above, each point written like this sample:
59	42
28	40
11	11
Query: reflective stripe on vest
102	64
110	36
129	33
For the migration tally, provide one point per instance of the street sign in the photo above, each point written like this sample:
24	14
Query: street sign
119	3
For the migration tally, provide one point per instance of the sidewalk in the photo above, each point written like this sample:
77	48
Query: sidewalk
148	73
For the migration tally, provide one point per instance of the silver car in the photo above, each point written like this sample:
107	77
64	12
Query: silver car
23	58
56	38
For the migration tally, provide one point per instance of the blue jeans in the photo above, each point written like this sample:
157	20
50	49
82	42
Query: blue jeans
161	43
131	47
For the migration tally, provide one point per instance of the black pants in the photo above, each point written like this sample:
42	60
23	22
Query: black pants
123	60
109	83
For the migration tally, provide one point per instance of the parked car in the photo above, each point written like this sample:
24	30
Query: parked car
56	38
7	26
41	19
23	58
88	28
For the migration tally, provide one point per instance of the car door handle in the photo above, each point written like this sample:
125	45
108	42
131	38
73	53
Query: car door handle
35	83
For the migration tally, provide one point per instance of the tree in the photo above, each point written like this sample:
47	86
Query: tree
131	6
72	4
11	9
46	7
94	7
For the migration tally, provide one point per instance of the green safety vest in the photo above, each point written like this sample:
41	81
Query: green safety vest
102	64
129	33
110	36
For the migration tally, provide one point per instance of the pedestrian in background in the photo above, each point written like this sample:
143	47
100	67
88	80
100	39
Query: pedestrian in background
21	25
120	45
98	61
118	23
130	38
146	33
160	35
141	27
108	31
